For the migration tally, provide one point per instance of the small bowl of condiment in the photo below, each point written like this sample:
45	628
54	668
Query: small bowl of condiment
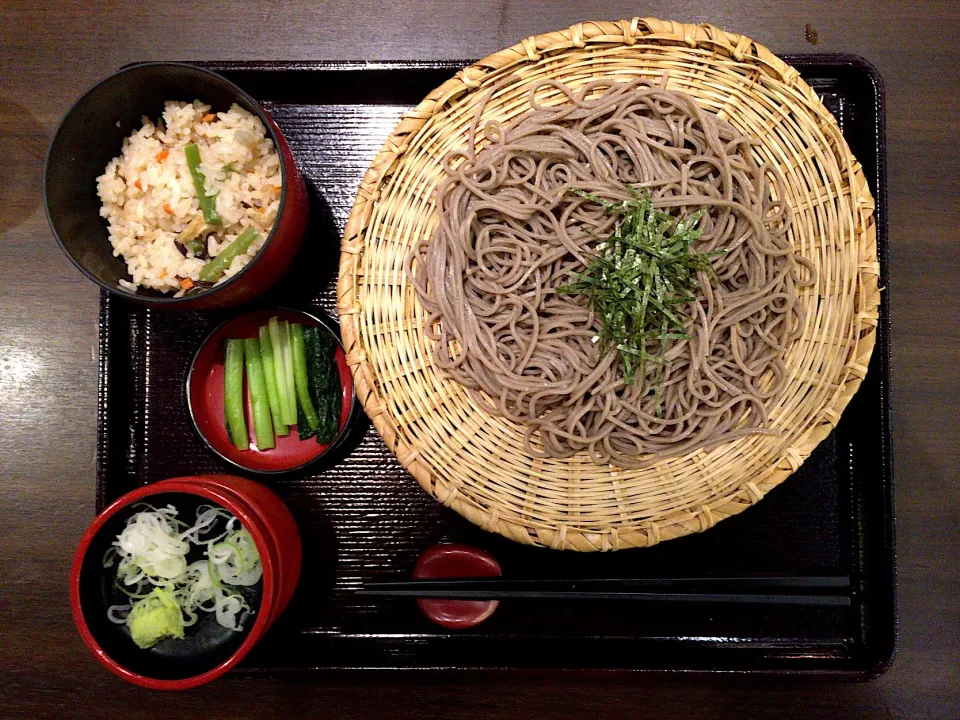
175	582
270	391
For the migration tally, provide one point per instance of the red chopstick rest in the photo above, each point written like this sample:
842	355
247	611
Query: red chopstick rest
459	561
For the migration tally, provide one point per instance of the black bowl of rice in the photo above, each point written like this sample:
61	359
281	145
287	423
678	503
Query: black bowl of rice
167	184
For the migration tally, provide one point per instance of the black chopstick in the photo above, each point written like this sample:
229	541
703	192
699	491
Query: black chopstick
829	581
753	590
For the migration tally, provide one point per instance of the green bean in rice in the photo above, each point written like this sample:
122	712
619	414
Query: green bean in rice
149	199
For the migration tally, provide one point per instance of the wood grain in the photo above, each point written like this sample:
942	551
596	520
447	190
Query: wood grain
50	52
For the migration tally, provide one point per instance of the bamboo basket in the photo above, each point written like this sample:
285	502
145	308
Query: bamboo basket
474	463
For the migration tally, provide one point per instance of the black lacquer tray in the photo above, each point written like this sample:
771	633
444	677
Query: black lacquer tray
363	517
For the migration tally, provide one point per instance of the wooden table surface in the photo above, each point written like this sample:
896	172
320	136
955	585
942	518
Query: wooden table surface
51	51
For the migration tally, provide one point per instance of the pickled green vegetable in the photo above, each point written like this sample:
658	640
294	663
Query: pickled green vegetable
257	388
233	394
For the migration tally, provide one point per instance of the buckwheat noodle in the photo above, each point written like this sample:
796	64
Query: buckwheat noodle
511	232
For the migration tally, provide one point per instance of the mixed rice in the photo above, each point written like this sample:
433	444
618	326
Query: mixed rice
151	205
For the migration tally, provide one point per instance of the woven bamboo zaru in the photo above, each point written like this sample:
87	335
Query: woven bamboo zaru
475	463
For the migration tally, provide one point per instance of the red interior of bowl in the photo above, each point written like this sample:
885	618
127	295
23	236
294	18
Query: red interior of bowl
205	394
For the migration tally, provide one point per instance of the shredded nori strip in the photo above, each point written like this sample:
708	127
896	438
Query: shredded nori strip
639	280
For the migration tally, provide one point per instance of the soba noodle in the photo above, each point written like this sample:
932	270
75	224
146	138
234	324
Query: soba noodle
511	231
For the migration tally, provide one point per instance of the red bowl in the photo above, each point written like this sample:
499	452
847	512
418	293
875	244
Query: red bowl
91	134
205	655
204	395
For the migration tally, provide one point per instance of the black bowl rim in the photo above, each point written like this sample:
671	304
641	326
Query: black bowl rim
163	299
328	324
